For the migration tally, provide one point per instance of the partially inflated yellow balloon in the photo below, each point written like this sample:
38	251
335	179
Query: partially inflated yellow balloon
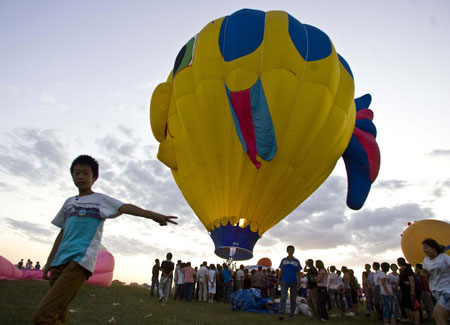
415	233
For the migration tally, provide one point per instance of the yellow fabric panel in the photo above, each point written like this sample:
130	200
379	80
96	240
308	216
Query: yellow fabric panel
325	72
166	154
183	85
160	109
279	51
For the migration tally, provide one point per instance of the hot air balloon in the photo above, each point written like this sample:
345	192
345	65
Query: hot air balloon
416	232
265	261
252	119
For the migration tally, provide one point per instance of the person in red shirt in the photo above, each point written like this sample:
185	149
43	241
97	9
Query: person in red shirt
189	274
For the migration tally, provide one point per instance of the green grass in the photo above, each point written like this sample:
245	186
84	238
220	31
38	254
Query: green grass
132	305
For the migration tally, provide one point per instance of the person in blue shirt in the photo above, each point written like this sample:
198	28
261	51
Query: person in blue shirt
289	278
227	284
74	254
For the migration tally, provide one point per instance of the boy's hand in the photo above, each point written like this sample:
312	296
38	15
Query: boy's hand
44	272
163	220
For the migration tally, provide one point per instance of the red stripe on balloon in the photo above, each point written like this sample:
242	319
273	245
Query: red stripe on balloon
370	146
364	113
240	101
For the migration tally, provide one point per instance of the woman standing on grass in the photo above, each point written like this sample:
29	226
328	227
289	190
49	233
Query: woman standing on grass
393	276
212	276
354	289
322	291
437	265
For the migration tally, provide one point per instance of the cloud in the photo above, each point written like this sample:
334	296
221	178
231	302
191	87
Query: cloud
324	222
391	184
33	154
10	90
440	153
440	189
129	246
318	222
115	147
31	231
129	174
149	86
4	187
50	104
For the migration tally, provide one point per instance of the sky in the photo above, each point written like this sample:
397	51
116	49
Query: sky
77	78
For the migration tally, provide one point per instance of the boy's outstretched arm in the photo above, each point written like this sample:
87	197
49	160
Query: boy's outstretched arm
52	254
137	211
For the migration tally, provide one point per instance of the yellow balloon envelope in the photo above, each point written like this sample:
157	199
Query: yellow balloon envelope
252	119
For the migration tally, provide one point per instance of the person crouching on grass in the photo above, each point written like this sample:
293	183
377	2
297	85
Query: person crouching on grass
72	259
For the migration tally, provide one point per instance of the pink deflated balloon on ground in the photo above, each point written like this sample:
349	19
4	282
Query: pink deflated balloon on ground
8	271
102	276
104	269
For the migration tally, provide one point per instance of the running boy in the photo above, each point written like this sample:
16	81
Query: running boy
74	253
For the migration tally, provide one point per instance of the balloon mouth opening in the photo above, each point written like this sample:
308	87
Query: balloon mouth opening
233	253
234	242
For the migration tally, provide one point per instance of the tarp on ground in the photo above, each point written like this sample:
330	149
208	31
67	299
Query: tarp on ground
250	300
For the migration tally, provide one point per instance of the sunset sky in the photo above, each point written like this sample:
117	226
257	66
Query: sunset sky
77	78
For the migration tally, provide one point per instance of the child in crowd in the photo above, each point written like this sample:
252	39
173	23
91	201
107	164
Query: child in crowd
72	259
437	265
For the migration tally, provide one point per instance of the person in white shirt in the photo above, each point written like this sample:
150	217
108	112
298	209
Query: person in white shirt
333	293
387	294
240	277
212	283
376	290
202	275
437	265
394	276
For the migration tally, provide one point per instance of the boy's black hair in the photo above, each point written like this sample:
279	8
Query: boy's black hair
87	161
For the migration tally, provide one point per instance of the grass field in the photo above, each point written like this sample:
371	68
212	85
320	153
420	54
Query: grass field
133	305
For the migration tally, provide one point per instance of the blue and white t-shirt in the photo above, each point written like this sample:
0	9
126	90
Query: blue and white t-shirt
290	269
82	219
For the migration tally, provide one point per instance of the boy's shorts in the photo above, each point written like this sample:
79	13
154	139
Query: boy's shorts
442	299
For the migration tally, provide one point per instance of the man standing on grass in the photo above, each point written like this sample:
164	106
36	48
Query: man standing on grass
202	276
155	278
289	275
165	283
240	278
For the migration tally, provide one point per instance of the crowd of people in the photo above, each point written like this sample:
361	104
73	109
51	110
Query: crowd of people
207	282
28	265
392	292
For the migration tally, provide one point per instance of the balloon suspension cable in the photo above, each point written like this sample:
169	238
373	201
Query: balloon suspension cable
230	261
